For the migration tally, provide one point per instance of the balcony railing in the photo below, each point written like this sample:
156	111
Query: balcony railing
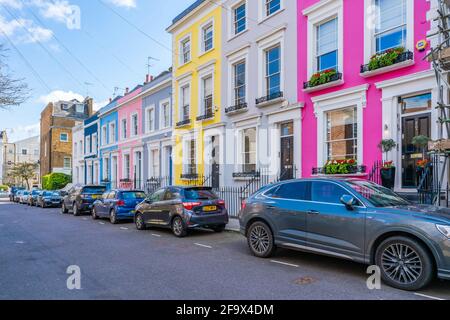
189	176
251	174
405	56
351	170
335	77
236	108
206	116
183	123
270	97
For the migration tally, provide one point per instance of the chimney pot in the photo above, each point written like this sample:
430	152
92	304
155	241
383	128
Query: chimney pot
127	90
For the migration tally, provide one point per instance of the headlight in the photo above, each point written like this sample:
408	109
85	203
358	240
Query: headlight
445	230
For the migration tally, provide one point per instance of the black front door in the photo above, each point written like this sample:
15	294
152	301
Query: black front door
413	126
215	167
287	151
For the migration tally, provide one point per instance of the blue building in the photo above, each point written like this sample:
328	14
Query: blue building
108	149
157	123
91	158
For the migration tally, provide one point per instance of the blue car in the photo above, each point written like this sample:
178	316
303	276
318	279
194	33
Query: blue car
117	205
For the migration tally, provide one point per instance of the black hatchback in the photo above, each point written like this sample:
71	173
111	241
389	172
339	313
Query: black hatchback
182	208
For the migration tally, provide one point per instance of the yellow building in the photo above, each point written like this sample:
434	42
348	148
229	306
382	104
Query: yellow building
196	36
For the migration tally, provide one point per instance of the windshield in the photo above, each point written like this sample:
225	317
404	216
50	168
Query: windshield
94	190
133	195
377	195
49	194
199	194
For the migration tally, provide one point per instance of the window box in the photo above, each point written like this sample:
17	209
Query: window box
390	60
207	116
183	123
323	80
340	168
189	176
125	180
269	98
242	107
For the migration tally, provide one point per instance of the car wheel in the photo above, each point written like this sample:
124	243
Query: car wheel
42	205
219	228
113	217
64	209
178	228
404	263
260	240
76	211
94	214
139	222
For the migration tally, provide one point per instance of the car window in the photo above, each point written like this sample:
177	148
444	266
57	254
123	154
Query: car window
172	194
94	190
200	194
158	195
105	195
131	195
327	192
112	195
293	191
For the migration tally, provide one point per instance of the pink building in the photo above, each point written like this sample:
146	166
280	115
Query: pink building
130	140
373	85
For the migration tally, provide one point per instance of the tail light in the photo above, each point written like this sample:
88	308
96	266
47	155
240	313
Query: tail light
121	203
221	203
243	204
191	205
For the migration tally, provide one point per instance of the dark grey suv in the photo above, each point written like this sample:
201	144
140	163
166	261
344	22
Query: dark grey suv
182	208
351	219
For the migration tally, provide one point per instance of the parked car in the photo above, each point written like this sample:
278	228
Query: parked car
49	199
16	197
182	208
351	219
24	195
117	205
13	193
32	199
80	199
4	194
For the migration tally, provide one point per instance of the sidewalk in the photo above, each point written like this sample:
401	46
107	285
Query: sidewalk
233	225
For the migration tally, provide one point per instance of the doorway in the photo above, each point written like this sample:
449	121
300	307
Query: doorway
287	151
215	163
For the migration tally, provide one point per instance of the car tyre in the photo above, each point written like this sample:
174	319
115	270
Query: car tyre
113	217
64	209
404	263
178	227
139	222
76	211
260	240
219	228
94	214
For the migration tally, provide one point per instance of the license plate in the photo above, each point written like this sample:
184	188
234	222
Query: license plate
209	208
133	211
95	197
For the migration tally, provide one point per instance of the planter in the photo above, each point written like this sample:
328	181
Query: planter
388	177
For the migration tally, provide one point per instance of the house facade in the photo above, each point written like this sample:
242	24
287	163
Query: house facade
91	150
197	65
78	165
130	146
108	148
259	90
364	79
157	124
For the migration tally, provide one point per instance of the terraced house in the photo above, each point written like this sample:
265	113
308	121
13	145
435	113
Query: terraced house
91	150
198	115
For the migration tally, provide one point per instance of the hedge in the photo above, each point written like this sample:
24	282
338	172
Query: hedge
4	188
55	181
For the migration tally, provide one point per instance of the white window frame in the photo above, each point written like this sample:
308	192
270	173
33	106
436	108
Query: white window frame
317	14
369	28
132	132
239	136
88	145
104	135
61	139
150	110
231	18
262	11
70	162
275	39
124	128
203	27
162	104
181	60
207	73
106	167
351	97
94	143
237	57
126	174
111	132
186	153
152	164
181	85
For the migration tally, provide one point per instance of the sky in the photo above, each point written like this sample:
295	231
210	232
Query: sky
65	49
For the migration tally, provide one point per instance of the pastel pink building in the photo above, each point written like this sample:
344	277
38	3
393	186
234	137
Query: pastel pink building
373	83
130	168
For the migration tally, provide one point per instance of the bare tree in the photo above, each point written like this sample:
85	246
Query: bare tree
13	91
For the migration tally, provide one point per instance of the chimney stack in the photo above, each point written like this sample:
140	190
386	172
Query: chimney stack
148	78
110	100
127	90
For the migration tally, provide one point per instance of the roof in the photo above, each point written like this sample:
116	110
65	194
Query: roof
191	8
158	79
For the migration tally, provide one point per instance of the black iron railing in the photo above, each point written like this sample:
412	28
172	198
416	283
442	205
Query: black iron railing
236	108
335	77
405	56
251	174
270	97
183	123
206	116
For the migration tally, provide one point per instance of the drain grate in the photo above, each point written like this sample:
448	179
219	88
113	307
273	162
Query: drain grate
305	281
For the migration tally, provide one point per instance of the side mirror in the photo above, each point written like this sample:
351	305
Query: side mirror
148	201
348	201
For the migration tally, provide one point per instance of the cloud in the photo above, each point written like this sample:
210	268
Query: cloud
15	4
124	3
58	95
98	105
59	10
23	132
24	30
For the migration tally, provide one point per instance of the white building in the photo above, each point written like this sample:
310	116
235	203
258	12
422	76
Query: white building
78	172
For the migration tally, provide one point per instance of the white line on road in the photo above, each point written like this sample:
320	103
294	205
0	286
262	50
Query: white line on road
85	219
101	223
123	228
20	242
285	263
427	296
156	235
203	245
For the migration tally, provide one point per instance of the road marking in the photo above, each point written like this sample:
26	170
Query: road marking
429	297
156	235
101	223
203	245
20	242
85	219
123	228
285	263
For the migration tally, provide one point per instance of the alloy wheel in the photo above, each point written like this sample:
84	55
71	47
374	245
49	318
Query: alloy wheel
259	239
177	226
401	263
139	222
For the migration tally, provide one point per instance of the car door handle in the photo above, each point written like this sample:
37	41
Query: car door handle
313	212
270	207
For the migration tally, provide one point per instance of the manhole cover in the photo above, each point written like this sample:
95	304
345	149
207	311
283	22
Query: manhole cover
304	281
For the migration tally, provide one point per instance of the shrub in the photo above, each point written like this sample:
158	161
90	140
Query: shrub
55	181
3	188
322	77
385	59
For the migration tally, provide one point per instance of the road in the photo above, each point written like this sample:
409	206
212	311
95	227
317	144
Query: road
118	262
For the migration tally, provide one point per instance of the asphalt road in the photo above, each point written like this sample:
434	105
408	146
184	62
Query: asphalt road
118	262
